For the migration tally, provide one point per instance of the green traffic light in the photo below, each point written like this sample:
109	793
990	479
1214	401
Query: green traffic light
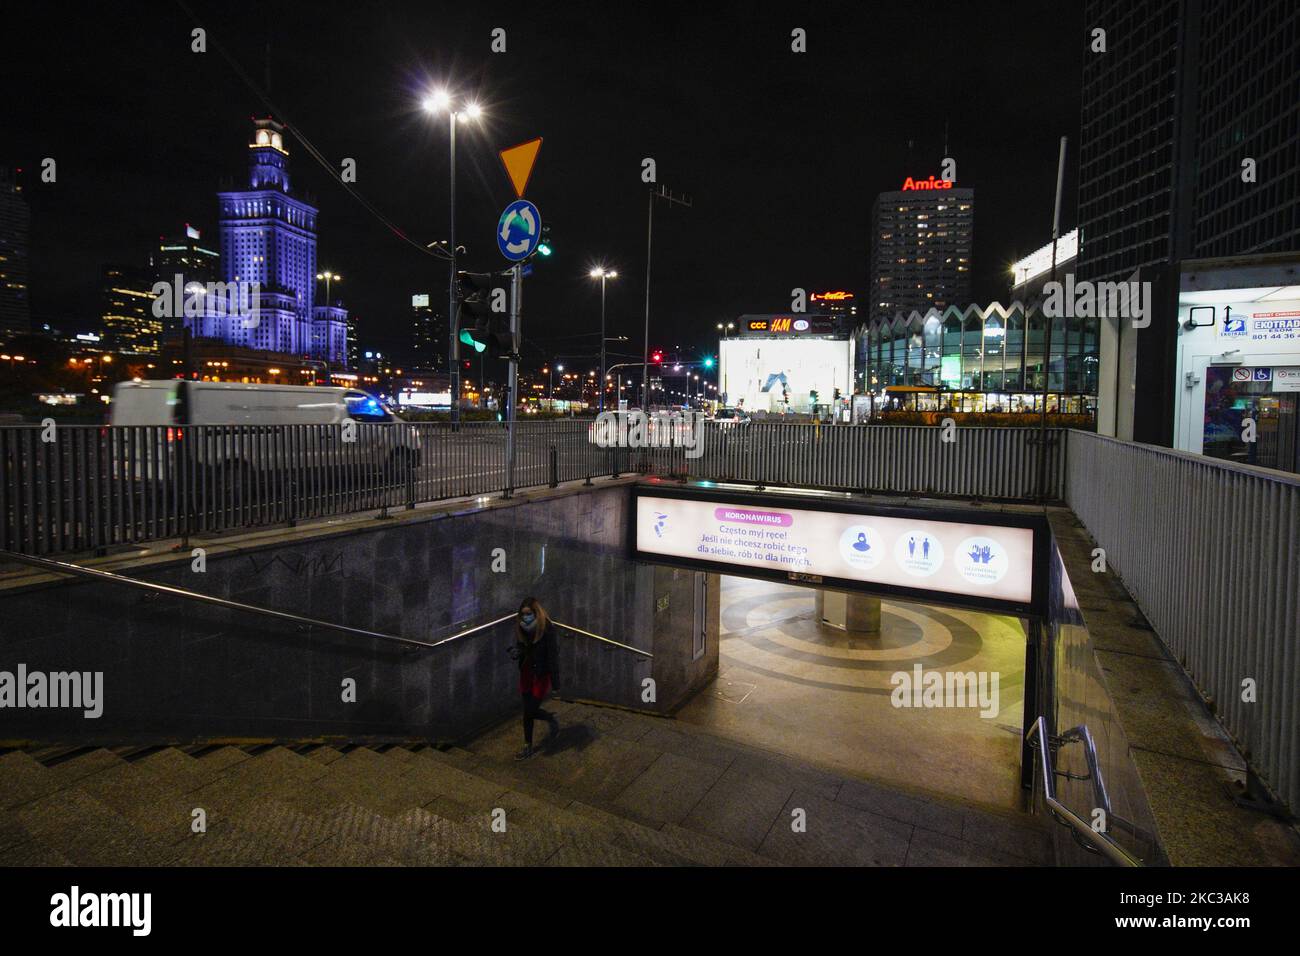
468	338
543	249
708	362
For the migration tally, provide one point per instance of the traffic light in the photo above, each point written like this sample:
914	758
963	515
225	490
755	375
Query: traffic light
812	397
483	322
656	356
708	362
544	246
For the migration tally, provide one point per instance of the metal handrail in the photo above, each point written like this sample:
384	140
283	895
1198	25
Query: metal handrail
1098	841
468	631
1099	794
77	570
604	640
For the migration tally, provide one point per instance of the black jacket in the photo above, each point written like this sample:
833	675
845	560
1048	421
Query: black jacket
540	653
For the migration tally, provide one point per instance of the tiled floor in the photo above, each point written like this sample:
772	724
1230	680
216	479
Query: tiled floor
677	778
790	685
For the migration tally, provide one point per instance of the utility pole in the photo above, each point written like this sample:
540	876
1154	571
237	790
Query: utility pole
516	306
1047	334
656	192
452	349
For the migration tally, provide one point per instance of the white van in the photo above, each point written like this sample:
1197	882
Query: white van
381	438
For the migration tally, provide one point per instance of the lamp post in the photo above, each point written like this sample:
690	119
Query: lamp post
550	396
601	273
328	277
435	103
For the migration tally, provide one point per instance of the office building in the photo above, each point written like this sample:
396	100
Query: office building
428	335
15	225
922	238
127	318
1190	151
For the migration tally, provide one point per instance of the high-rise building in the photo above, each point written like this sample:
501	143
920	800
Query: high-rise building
353	325
15	223
922	236
126	314
428	335
186	256
1186	92
838	303
1190	149
268	237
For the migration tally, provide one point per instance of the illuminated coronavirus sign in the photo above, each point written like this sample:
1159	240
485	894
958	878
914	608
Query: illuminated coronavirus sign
909	183
955	556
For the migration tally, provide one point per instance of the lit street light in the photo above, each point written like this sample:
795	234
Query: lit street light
602	274
328	277
437	102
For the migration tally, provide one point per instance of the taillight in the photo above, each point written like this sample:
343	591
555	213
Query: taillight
175	434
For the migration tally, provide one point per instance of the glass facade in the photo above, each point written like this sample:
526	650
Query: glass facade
993	359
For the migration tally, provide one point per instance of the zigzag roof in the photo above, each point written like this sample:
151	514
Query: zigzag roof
974	310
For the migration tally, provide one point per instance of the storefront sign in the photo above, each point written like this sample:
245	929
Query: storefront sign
1261	326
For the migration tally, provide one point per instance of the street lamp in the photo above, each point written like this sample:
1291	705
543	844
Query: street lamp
601	273
551	395
438	102
328	277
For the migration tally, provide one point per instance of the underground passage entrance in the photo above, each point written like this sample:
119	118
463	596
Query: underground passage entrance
878	640
850	701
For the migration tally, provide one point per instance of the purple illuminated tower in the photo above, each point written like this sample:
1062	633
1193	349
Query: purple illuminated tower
268	236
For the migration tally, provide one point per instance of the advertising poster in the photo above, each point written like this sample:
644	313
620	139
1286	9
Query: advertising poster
984	561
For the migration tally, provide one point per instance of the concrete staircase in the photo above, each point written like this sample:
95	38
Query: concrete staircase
614	789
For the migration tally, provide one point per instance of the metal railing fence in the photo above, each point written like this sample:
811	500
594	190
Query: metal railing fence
1210	551
972	462
87	488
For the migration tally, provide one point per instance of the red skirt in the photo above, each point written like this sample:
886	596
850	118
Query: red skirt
537	687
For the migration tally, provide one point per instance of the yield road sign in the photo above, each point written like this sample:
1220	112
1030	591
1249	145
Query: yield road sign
519	230
518	161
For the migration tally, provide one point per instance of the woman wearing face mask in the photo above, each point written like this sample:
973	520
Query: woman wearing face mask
535	652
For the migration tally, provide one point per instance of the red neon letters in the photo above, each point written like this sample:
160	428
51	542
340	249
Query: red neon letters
931	183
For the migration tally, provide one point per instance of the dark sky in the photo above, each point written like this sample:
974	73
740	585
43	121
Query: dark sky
781	152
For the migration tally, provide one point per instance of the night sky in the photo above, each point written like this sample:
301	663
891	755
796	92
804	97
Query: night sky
782	153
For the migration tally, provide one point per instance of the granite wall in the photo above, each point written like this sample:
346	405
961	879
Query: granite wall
177	670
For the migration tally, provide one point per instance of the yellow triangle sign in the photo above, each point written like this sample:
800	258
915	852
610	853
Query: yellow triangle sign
519	161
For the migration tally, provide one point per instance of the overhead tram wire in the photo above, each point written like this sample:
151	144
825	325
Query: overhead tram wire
312	151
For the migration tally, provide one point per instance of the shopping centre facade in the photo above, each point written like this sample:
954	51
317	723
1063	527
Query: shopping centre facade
980	359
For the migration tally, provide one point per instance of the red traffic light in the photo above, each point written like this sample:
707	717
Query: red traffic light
656	356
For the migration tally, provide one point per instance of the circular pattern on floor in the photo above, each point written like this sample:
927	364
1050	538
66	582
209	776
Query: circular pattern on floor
934	637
